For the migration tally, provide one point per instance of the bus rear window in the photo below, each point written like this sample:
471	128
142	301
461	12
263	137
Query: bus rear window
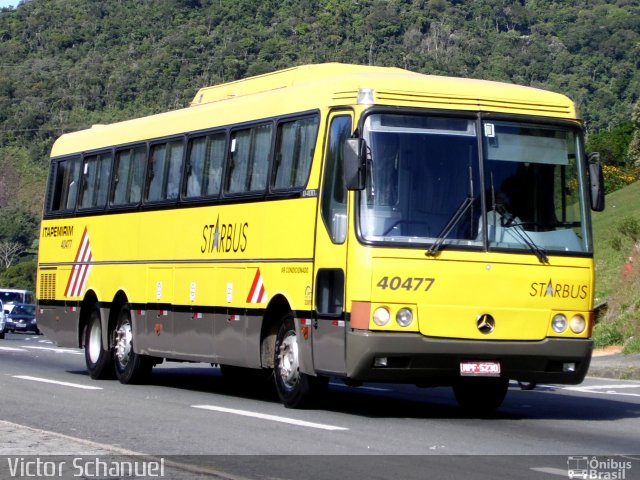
64	190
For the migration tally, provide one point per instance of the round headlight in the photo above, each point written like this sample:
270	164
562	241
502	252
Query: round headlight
559	323
404	317
577	324
381	316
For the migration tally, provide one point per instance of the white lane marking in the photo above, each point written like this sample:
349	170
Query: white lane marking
11	349
46	341
607	389
274	418
553	471
56	349
56	382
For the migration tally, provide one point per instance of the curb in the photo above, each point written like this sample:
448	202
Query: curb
616	365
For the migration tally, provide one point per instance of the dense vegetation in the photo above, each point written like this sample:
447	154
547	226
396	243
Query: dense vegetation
66	64
616	234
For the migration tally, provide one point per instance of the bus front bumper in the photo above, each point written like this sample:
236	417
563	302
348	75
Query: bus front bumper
430	361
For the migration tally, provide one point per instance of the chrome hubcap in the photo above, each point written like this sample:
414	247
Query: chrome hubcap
123	343
288	360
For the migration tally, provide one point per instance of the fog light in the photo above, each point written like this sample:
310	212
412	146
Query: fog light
380	362
381	316
404	317
577	324
559	323
568	367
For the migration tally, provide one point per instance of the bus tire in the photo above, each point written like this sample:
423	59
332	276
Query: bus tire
480	396
295	389
97	359
130	367
2	336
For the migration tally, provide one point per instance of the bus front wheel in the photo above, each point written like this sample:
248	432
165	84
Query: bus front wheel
295	389
131	367
98	360
480	396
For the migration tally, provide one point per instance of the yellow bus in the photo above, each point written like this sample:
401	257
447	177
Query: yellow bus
363	223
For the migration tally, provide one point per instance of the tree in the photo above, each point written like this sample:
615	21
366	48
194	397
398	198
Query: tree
20	275
18	226
634	146
612	144
9	252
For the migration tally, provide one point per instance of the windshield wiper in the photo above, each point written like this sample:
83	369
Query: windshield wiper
509	221
455	219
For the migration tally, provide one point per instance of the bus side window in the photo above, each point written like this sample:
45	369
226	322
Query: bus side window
156	171
55	194
174	170
164	170
121	178
204	165
129	171
95	181
334	192
72	181
249	159
65	185
213	171
294	152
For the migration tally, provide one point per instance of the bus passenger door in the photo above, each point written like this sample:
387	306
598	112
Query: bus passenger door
329	332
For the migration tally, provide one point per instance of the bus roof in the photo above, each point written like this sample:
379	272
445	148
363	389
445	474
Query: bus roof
311	87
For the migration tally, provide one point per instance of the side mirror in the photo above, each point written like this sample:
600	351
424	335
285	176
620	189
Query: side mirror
354	155
596	182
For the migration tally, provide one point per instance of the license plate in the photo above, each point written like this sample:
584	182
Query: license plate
479	369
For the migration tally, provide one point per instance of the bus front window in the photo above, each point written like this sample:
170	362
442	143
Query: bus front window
532	180
421	170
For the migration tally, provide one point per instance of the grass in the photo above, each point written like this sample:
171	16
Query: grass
620	324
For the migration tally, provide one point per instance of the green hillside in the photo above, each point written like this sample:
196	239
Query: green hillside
615	231
620	205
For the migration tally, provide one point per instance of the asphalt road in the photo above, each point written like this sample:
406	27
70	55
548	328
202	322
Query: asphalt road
375	431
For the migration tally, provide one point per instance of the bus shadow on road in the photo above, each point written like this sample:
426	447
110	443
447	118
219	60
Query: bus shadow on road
399	401
407	401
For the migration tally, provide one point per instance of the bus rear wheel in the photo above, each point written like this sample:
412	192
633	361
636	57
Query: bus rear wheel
131	367
295	389
480	396
98	360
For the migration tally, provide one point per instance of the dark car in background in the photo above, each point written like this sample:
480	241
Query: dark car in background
22	319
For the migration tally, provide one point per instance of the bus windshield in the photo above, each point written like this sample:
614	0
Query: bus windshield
423	184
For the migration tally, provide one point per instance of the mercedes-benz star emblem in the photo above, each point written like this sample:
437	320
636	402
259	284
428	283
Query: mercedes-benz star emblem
486	323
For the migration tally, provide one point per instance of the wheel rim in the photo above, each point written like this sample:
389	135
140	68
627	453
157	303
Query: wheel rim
95	342
288	360
123	342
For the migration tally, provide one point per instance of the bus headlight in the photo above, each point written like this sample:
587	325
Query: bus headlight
404	317
559	323
577	324
381	316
